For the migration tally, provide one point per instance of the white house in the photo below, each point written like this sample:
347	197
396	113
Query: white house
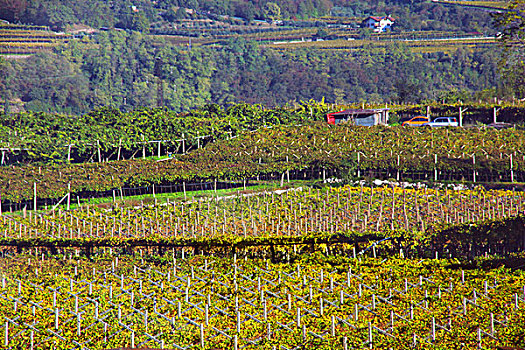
378	24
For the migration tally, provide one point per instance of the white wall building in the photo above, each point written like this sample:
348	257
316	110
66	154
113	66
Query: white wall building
378	24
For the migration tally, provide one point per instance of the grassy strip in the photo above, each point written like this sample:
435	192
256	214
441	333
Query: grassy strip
146	199
150	199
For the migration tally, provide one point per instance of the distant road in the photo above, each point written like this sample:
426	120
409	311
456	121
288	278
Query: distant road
15	57
378	40
450	39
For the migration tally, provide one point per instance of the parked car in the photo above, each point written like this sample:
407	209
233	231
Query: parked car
416	121
443	121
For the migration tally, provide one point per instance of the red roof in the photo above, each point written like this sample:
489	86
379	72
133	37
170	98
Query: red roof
378	19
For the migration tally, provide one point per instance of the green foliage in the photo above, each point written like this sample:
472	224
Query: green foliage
349	168
268	151
272	11
160	294
512	26
96	13
407	91
461	239
11	10
512	22
117	69
46	137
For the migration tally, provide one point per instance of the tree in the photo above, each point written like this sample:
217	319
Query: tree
512	27
181	13
322	33
406	91
364	33
272	11
191	4
245	10
6	75
140	23
12	9
170	15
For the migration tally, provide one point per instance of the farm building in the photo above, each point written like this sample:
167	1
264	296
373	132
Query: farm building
378	24
363	117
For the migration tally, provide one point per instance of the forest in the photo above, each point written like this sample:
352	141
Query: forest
140	15
130	68
124	70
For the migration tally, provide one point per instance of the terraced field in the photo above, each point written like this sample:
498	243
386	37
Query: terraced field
28	41
415	45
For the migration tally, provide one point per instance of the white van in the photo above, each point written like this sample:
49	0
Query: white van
443	121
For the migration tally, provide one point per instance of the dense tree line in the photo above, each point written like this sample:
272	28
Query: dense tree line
139	14
125	13
107	13
125	70
58	14
512	27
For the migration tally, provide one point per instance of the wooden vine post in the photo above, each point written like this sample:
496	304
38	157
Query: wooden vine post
461	111
495	118
397	176
287	171
358	165
435	167
474	169
119	148
98	151
34	195
143	147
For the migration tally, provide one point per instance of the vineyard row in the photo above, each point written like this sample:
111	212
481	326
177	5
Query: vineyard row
206	302
470	154
448	222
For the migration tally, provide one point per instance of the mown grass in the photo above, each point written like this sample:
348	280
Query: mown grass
159	198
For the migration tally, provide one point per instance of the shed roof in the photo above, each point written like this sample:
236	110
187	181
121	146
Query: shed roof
359	112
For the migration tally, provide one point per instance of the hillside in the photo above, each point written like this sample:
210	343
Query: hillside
184	54
120	70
